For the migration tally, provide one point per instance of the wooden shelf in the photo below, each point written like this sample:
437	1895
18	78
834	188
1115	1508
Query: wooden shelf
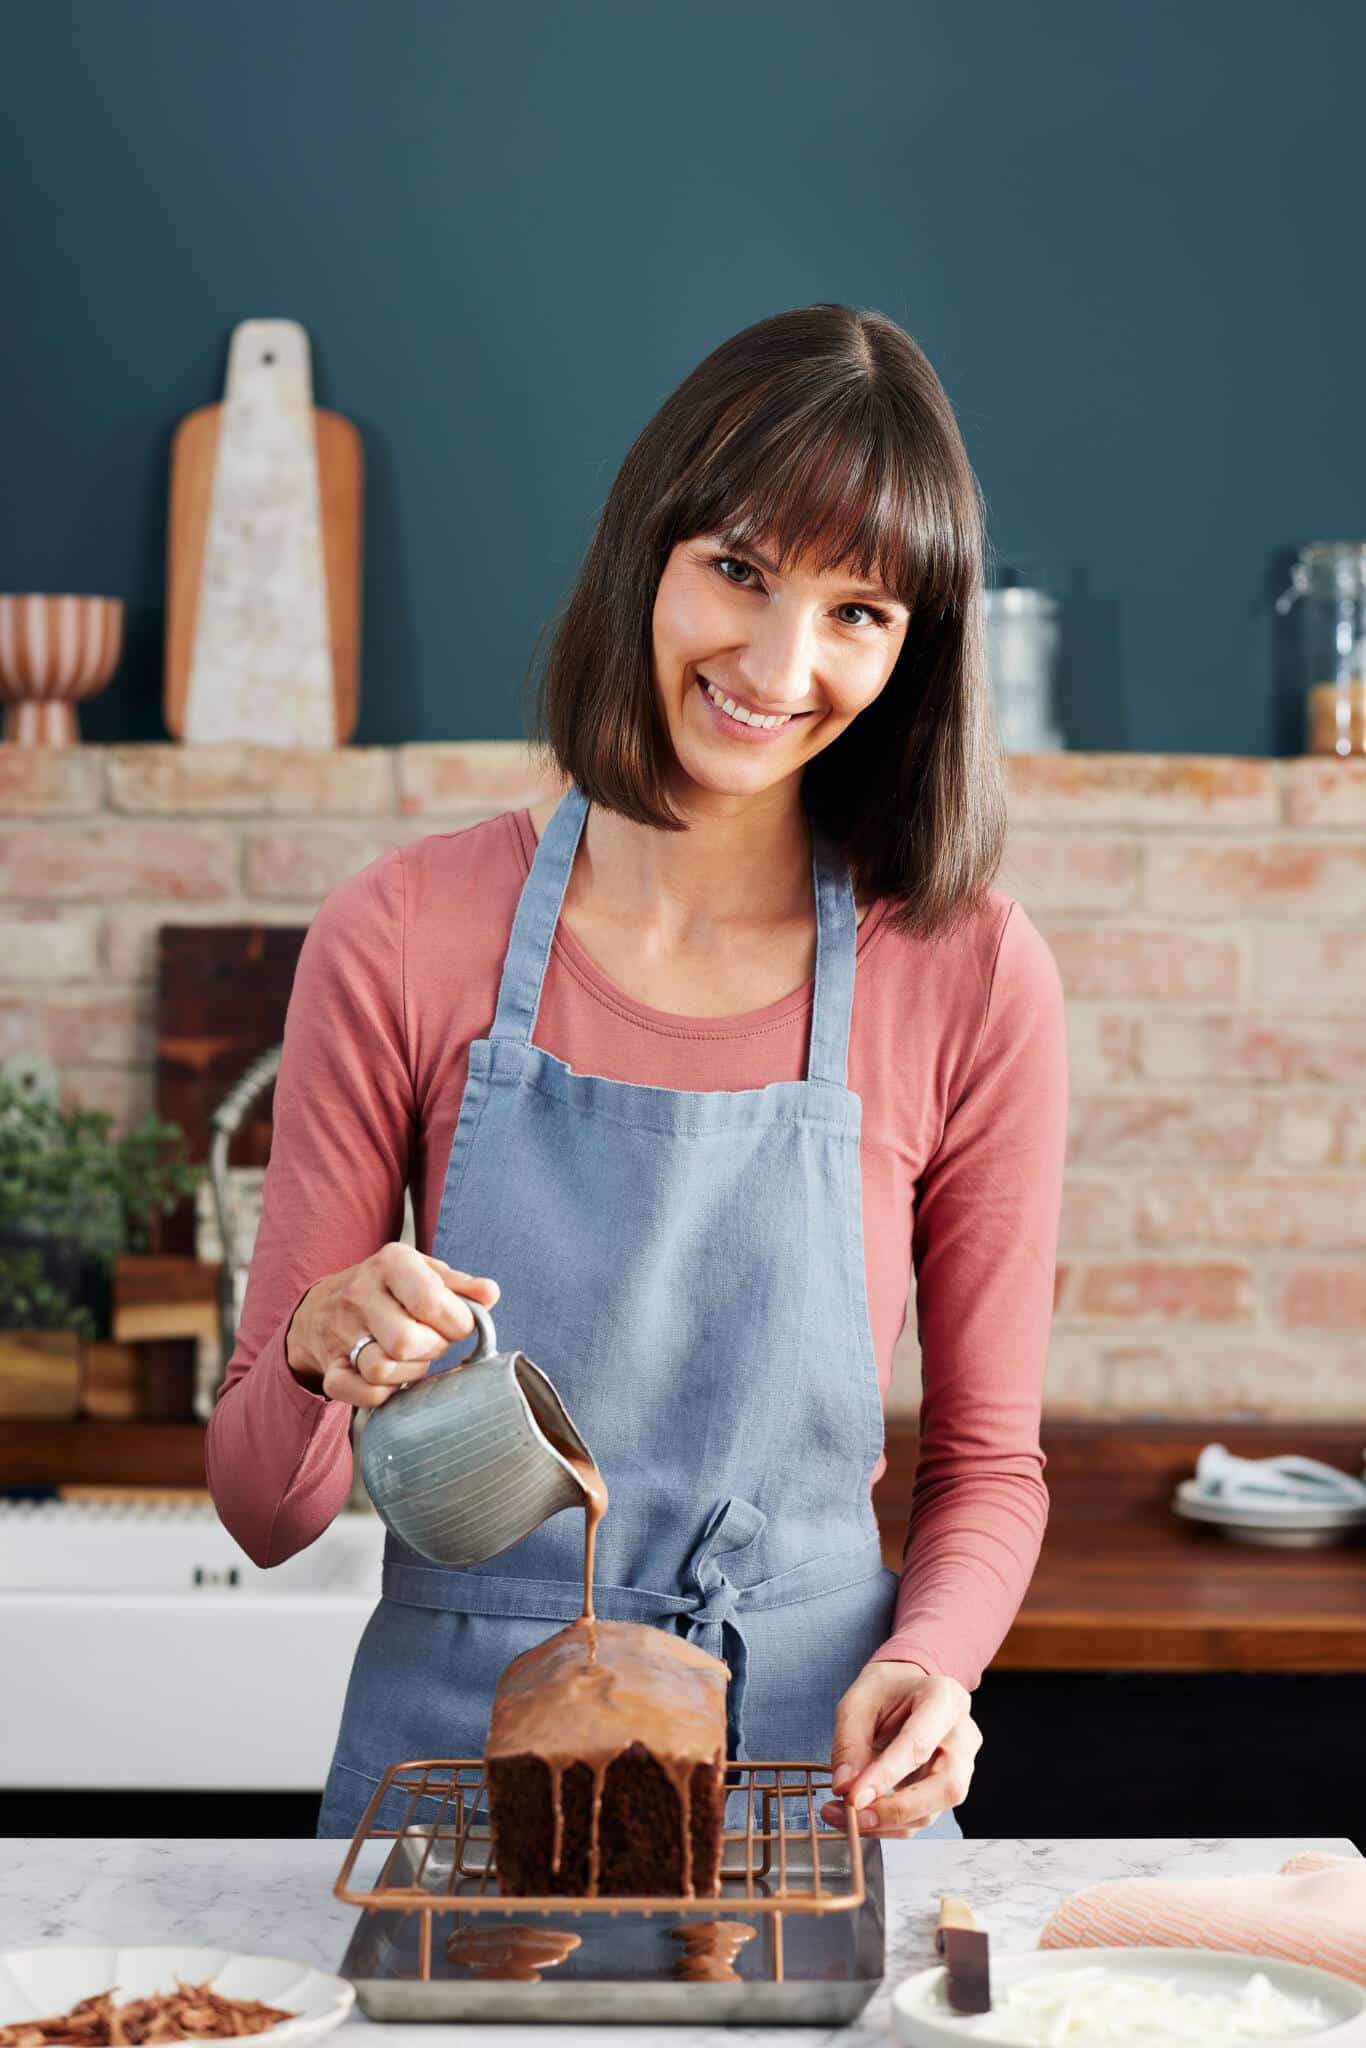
86	1452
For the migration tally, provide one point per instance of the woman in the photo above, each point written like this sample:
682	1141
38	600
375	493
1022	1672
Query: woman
619	1047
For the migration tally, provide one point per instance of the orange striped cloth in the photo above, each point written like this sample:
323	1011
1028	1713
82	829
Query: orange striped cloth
1312	1910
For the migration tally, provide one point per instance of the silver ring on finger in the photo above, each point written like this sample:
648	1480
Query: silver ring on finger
356	1349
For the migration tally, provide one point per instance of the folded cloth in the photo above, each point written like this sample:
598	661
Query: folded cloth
1312	1910
1275	1482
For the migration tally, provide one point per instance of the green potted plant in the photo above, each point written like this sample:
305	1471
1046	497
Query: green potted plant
73	1196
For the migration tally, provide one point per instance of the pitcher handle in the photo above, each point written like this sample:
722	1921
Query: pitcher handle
487	1339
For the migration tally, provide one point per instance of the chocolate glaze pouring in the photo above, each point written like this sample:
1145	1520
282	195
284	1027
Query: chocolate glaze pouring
594	1508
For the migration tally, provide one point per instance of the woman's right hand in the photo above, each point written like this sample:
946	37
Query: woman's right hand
412	1305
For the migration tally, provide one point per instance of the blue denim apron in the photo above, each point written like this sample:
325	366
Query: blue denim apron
688	1267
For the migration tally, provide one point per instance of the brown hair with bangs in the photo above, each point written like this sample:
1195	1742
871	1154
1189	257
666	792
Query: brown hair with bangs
825	433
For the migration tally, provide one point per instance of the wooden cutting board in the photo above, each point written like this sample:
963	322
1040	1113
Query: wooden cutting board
222	996
263	557
40	1372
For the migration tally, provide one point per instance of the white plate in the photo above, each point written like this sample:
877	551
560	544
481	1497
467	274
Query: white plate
1292	1522
37	1983
920	2018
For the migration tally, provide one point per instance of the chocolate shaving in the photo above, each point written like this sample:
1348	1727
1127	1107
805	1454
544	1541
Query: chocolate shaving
191	2012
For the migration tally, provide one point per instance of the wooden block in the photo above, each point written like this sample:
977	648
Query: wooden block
150	1496
164	1295
111	1381
40	1372
168	1376
151	1320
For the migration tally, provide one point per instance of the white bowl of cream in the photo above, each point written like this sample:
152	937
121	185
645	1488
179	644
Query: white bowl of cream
1136	1998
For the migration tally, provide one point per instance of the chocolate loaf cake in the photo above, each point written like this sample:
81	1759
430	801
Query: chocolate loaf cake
606	1762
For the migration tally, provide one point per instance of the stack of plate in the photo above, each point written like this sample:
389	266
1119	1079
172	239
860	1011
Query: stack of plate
1290	1503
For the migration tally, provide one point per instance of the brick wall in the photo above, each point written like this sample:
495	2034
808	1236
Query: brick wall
1208	916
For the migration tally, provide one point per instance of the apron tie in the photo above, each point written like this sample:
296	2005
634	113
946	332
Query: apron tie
720	1581
730	1529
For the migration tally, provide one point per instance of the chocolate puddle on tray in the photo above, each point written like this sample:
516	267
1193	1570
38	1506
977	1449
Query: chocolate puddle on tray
710	1948
518	1951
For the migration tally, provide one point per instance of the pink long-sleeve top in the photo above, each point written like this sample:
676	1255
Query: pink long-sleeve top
958	1050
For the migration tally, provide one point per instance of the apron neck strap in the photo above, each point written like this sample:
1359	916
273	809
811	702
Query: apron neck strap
542	898
538	913
836	955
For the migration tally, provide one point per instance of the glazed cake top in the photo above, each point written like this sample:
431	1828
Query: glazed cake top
590	1691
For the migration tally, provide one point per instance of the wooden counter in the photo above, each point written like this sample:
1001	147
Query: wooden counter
87	1452
1123	1585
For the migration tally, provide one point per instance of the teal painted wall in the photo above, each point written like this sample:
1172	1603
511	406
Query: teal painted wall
1127	236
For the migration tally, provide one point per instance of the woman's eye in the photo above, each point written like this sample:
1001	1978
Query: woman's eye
721	562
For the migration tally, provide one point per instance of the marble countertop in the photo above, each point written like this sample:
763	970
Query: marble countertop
275	1898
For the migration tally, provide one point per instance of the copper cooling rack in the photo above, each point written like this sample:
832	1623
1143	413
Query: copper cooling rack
768	1865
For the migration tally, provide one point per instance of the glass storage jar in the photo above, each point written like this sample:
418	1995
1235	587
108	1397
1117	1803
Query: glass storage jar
1022	635
1330	575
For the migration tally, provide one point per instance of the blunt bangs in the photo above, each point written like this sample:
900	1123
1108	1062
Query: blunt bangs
848	501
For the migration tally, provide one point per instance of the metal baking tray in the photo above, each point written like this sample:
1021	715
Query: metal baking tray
815	1900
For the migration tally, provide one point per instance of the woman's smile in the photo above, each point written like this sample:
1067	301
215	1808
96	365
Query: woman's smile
740	721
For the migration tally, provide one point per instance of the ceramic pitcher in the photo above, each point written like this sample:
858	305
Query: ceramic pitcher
464	1463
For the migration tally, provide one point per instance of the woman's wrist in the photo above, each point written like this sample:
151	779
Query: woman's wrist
298	1357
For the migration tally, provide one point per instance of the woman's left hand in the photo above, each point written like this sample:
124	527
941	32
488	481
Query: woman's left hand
904	1749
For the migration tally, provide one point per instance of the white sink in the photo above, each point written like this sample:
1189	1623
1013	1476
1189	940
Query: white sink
141	1648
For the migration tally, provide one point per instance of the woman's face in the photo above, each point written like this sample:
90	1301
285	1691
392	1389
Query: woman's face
809	651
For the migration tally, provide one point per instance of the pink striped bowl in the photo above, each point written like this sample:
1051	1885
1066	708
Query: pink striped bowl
53	652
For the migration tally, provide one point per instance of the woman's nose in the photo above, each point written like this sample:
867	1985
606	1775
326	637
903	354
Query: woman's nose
777	670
